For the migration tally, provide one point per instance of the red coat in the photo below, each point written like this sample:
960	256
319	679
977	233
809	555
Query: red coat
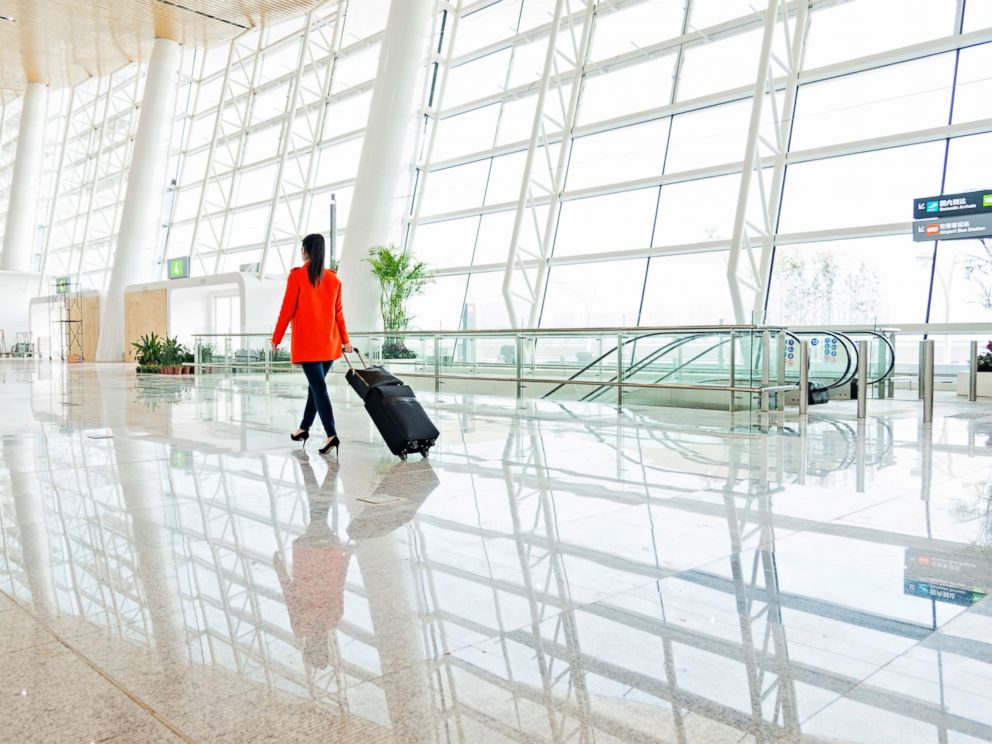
319	330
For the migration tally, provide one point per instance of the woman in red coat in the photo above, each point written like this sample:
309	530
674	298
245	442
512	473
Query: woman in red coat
313	304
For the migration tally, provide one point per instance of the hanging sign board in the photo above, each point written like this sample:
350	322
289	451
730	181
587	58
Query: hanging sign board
179	268
62	285
953	228
953	205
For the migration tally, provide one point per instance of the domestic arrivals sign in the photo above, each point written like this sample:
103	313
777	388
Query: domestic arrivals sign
953	228
953	205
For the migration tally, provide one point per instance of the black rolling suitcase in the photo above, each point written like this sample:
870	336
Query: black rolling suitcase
395	410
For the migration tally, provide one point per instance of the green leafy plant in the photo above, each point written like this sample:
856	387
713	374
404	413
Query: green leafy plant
173	353
148	350
401	277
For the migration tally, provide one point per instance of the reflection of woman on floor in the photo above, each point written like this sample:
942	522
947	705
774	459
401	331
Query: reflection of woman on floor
315	592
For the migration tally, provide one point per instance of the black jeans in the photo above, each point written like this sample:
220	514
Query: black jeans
317	398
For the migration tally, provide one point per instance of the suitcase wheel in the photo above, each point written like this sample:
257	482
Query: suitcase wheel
403	456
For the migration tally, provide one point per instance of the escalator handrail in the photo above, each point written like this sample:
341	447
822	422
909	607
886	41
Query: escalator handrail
674	344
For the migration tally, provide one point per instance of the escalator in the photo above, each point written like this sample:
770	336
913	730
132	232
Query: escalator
704	358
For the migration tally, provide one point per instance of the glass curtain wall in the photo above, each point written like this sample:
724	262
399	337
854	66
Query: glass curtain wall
638	229
266	128
898	111
274	127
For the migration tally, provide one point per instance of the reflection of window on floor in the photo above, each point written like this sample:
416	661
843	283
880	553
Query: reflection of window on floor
227	314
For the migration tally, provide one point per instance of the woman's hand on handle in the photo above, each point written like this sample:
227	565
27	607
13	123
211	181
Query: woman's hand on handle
349	349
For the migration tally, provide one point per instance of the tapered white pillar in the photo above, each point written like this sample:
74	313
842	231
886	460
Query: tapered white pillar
22	210
382	165
138	239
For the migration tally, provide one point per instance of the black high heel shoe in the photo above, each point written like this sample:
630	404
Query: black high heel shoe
303	436
334	443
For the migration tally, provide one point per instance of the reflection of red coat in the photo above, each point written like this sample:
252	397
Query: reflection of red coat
315	593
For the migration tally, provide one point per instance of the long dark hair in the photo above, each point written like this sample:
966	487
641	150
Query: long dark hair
313	249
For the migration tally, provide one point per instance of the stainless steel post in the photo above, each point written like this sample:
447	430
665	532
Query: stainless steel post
437	364
518	358
928	351
973	373
782	341
919	374
880	355
766	344
892	374
862	378
859	452
733	365
620	369
803	376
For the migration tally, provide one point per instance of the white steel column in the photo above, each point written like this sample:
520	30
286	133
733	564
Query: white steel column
137	241
381	168
751	241
22	212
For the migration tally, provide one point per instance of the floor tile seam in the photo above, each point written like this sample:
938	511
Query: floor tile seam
864	681
110	679
504	632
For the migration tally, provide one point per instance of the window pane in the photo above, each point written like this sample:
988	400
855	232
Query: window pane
962	287
870	188
448	243
485	307
726	63
917	95
619	155
472	80
638	88
455	188
871	280
615	222
697	211
865	27
968	164
496	232
440	306
619	32
596	294
486	26
687	289
711	136
711	12
977	16
464	134
973	97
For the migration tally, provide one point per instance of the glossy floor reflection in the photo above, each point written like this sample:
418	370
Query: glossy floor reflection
172	569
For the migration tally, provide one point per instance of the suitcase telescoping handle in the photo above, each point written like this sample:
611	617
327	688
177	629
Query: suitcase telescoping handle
355	349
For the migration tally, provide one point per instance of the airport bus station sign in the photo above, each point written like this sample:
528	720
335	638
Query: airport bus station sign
953	228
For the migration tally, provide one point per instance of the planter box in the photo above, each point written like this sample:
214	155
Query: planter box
984	384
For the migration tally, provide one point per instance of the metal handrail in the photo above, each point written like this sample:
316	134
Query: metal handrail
437	374
532	331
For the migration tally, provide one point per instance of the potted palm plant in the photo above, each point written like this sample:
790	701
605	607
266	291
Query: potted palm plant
172	356
401	277
148	353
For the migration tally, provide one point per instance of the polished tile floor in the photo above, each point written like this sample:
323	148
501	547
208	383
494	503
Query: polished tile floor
173	569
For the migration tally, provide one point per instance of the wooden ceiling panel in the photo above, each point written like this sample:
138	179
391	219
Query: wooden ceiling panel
61	42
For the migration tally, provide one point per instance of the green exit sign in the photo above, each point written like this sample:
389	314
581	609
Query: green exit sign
62	285
179	267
